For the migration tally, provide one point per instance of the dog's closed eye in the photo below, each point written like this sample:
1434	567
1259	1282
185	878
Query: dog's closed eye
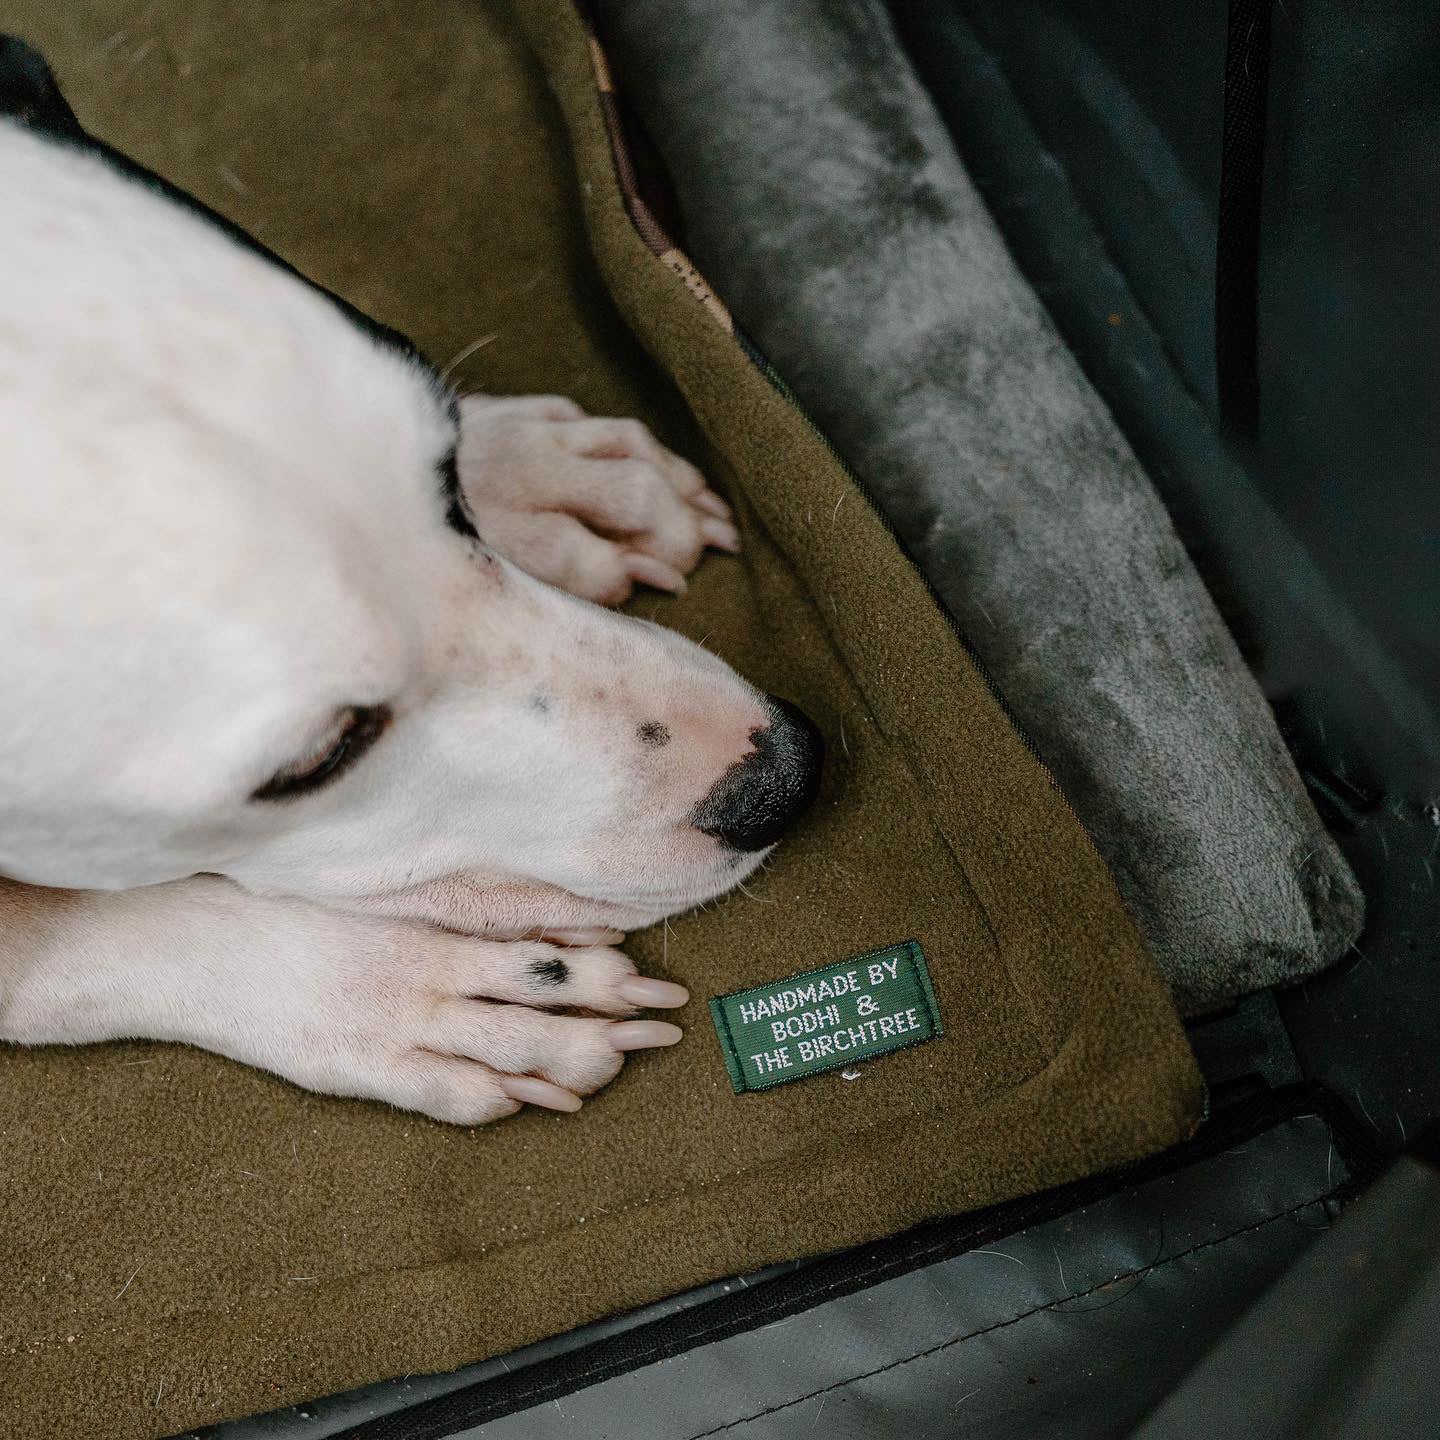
355	730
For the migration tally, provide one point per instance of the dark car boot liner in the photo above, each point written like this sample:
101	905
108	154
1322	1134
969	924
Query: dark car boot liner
1069	1313
183	1239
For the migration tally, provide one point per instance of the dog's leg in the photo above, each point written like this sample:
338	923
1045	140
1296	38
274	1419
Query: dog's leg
593	506
423	1018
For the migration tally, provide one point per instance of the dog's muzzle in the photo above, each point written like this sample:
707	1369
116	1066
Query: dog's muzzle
755	801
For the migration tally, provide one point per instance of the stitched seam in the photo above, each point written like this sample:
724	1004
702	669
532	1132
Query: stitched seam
728	1049
1142	1271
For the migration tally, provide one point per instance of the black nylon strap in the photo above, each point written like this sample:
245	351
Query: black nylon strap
1237	248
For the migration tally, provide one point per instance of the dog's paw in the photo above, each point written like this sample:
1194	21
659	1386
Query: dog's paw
464	1029
593	506
470	1030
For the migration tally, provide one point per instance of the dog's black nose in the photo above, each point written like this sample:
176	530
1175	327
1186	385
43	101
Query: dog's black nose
756	799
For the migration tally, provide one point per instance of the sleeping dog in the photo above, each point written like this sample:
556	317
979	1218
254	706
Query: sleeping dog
310	724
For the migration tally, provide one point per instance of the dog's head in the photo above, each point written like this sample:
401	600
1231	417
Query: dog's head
246	628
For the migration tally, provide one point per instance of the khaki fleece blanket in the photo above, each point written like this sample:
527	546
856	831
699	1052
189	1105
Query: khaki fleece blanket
184	1240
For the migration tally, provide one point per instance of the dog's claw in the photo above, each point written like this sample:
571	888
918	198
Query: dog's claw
531	1091
644	1034
645	993
721	534
709	501
593	505
649	571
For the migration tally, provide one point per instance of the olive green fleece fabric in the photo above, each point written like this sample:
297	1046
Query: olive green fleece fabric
184	1240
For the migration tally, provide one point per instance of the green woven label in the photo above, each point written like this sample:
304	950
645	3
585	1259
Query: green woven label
823	1019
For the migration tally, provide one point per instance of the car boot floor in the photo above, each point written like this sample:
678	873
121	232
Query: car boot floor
1366	1028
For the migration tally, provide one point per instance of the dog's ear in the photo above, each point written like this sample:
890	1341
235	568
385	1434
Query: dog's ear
29	90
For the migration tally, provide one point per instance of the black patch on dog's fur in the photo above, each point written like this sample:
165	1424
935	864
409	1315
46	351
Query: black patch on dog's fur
457	515
28	90
541	701
551	972
653	734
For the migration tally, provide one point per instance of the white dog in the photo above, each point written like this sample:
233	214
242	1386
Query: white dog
297	744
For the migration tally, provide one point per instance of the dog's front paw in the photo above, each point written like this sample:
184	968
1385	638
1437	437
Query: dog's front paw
469	1030
593	506
463	1029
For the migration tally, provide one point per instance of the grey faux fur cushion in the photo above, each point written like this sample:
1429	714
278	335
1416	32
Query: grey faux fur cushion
823	199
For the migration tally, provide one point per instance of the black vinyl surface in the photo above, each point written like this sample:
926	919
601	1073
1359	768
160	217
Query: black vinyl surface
1342	1345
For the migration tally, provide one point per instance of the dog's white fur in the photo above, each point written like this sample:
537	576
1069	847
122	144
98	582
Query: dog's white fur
221	524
